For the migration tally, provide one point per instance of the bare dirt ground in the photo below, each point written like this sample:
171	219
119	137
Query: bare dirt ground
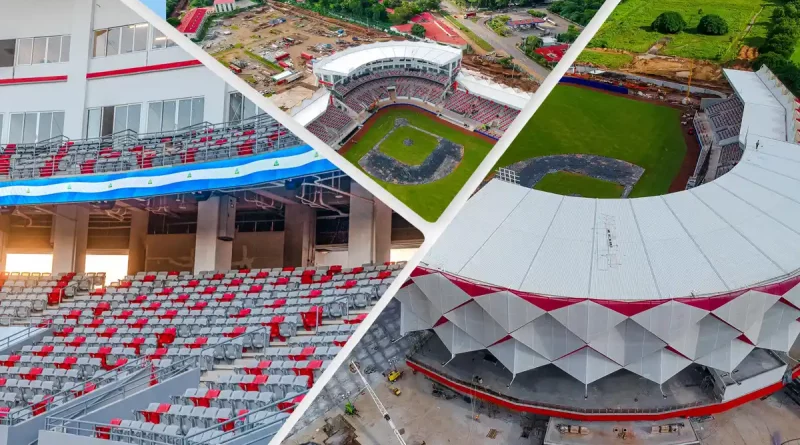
423	417
753	423
496	72
303	32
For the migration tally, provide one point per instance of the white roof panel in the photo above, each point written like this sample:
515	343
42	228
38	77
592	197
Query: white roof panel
345	62
739	231
312	108
493	91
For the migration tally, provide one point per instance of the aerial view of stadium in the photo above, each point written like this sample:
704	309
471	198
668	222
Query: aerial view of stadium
416	101
177	266
629	271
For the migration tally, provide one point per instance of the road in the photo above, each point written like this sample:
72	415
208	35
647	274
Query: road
504	44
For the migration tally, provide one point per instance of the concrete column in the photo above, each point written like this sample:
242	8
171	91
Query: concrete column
299	235
70	234
5	234
370	232
137	241
210	253
82	22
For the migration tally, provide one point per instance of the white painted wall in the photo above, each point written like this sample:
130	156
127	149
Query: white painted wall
79	19
734	391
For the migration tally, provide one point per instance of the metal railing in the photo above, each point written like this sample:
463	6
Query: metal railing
33	160
21	414
240	425
475	389
34	325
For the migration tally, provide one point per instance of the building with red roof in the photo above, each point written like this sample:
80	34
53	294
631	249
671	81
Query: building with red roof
435	30
553	53
192	21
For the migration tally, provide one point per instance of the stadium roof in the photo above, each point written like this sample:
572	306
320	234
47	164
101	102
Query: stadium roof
493	91
737	231
345	62
763	113
312	108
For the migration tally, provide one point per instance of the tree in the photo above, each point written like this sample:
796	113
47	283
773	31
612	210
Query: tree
532	43
782	44
569	36
418	30
669	22
712	25
174	21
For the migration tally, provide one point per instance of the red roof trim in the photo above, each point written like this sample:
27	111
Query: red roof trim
144	69
26	80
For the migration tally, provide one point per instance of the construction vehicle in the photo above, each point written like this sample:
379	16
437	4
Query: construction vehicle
378	403
394	375
395	391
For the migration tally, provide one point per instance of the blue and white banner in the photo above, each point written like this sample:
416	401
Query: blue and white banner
229	173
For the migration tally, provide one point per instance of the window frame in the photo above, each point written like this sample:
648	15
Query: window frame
126	39
26	58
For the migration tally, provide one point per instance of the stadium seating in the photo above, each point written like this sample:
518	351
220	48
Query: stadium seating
352	84
128	150
23	293
726	118
482	110
277	328
330	125
729	156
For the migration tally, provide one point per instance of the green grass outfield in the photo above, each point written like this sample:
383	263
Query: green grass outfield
628	27
428	200
580	120
424	144
566	183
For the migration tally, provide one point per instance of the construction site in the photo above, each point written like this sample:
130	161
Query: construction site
272	48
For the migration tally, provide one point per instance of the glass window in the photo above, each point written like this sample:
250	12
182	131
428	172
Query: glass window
198	110
93	123
30	129
100	43
15	133
140	39
65	42
184	113
7	52
134	117
168	122
160	41
126	41
53	49
154	117
45	121
113	41
24	51
39	50
235	107
120	118
107	125
58	124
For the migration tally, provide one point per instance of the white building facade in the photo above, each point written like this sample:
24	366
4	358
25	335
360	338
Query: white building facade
87	68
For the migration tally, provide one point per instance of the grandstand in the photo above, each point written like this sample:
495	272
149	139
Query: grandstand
605	301
363	79
241	285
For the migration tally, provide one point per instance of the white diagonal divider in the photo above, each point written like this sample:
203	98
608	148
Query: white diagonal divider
431	230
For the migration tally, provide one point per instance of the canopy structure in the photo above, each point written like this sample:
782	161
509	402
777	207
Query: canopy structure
649	285
312	108
493	91
346	62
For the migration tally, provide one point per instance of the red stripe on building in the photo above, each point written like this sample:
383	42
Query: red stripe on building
144	69
698	411
24	80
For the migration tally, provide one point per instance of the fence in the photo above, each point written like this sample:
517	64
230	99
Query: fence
176	147
594	84
125	372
